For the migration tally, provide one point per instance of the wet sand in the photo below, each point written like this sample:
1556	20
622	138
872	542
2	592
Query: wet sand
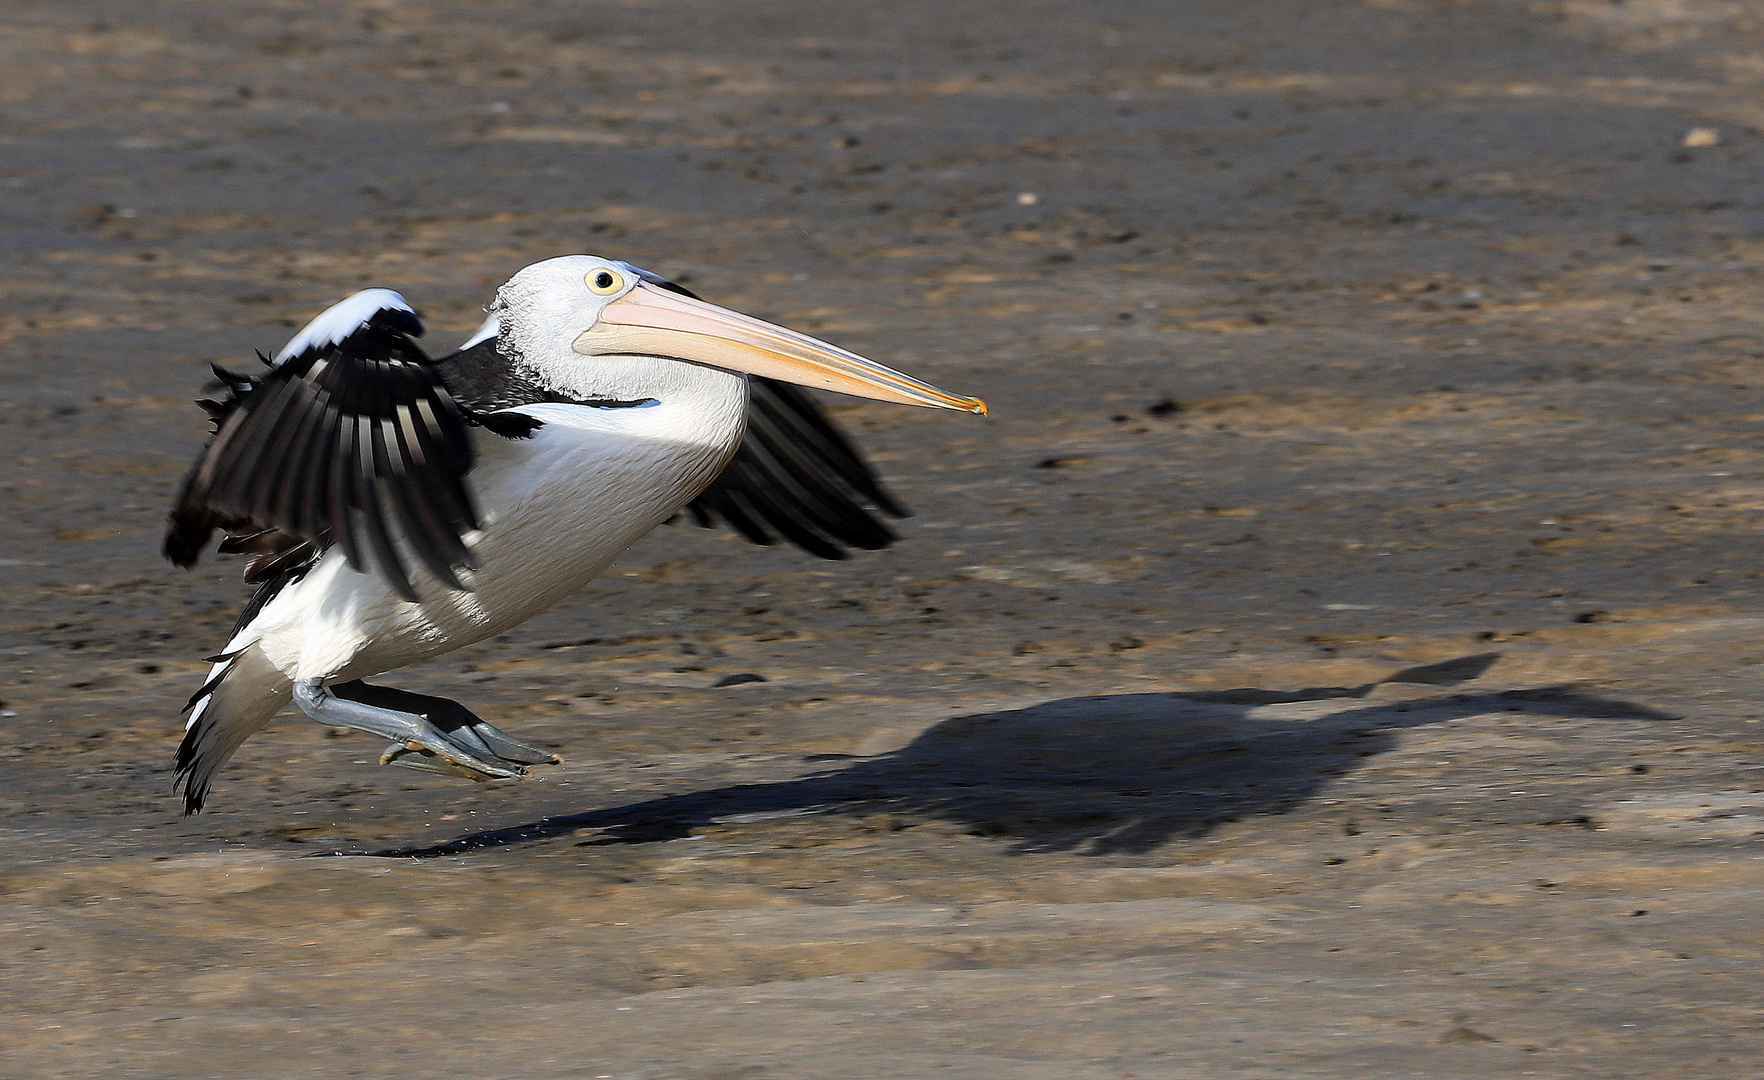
1339	655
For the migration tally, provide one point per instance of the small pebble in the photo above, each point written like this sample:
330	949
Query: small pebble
737	680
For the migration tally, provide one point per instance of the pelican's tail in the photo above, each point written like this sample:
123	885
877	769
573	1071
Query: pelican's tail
244	690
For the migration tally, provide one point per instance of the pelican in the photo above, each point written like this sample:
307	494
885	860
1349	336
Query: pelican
399	507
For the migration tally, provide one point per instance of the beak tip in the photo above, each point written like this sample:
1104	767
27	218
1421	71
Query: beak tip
979	408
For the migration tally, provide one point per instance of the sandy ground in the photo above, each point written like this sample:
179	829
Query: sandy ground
1340	655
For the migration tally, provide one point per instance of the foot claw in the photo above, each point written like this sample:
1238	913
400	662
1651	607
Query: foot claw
475	751
425	760
508	748
428	733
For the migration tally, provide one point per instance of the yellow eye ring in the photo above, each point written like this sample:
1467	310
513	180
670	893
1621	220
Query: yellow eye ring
605	282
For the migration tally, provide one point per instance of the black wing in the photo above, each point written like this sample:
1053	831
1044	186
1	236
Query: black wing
351	438
797	475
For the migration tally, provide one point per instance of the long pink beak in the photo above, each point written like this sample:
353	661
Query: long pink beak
653	321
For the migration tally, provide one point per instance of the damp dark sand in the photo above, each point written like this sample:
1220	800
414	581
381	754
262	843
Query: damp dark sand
1340	655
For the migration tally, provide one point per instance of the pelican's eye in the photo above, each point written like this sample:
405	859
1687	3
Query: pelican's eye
605	282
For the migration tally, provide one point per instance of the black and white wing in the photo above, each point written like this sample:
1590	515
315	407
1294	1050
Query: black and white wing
350	438
796	475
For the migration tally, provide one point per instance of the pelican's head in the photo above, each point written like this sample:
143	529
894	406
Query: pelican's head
582	309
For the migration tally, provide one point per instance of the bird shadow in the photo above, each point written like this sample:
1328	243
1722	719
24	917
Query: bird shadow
1122	773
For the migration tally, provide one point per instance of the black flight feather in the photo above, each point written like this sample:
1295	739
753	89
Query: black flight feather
795	468
797	475
355	440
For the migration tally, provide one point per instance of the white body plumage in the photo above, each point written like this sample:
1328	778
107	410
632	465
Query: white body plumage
558	508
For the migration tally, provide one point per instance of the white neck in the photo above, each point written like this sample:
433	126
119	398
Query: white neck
637	378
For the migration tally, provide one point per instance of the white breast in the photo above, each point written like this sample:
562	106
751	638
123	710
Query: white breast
557	509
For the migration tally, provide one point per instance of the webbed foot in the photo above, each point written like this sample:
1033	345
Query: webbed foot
433	734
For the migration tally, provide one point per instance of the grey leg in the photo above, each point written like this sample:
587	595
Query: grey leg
458	723
410	730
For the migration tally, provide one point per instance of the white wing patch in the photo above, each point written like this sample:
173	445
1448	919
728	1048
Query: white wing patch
345	317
